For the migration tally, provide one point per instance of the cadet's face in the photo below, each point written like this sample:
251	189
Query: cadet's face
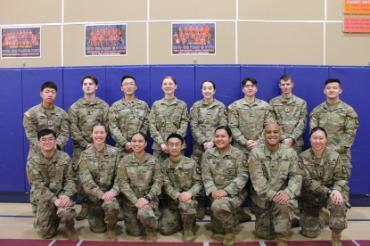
48	95
138	143
222	139
318	140
47	143
272	135
89	87
128	86
174	147
99	135
168	86
332	90
286	87
249	89
207	90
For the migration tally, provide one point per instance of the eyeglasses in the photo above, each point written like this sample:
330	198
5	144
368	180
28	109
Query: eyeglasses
174	145
44	140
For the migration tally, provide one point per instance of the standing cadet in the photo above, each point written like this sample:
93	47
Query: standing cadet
205	116
248	116
139	178
182	183
325	185
50	174
168	115
84	114
339	120
46	116
128	116
290	113
97	170
225	175
276	183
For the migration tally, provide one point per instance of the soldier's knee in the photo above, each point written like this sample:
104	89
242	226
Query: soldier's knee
66	214
220	206
111	206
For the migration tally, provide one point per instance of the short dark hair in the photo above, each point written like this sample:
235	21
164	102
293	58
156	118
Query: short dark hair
170	77
49	84
176	135
285	77
210	81
94	79
128	77
45	132
333	80
142	134
252	80
226	128
318	128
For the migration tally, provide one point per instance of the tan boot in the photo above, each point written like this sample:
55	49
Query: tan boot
111	233
324	217
188	221
151	236
83	213
336	238
70	231
282	239
229	238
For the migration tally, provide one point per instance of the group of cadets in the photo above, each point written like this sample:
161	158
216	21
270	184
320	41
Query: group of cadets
252	142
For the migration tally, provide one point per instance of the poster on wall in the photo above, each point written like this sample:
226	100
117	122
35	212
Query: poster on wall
193	38
105	40
357	7
356	24
20	42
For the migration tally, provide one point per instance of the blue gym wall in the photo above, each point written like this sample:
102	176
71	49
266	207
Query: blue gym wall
19	90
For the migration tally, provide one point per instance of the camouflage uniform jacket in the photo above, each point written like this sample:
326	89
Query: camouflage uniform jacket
290	113
38	118
181	176
50	179
204	118
227	171
340	122
325	173
84	116
271	172
166	117
247	120
126	118
137	179
98	170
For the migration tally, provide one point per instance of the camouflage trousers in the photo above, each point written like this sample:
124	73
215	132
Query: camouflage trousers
139	221
276	219
101	214
223	213
175	215
310	217
48	217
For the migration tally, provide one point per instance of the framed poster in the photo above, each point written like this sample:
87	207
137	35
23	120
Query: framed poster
105	40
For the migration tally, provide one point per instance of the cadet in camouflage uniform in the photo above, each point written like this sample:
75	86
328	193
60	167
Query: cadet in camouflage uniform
276	182
168	115
46	116
248	116
325	185
225	175
205	116
98	166
50	175
338	119
140	179
290	113
128	116
182	183
84	114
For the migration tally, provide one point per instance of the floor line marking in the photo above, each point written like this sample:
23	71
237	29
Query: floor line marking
261	243
52	242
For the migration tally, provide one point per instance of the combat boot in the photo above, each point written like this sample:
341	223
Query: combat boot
83	213
151	235
188	234
229	238
70	230
243	215
111	233
336	238
282	239
324	217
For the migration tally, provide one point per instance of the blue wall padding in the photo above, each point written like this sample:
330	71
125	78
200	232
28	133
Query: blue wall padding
19	90
12	173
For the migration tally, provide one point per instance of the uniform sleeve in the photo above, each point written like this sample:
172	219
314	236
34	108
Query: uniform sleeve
154	132
197	180
168	187
123	183
238	183
70	188
87	180
76	133
63	136
295	177
114	127
183	121
349	134
156	188
106	116
145	127
115	187
258	179
342	174
310	184
222	116
314	119
208	182
233	118
197	134
301	125
30	127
